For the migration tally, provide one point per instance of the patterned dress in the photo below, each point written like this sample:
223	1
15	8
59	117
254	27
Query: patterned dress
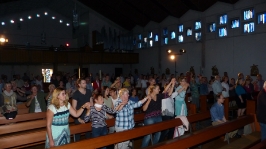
180	104
60	127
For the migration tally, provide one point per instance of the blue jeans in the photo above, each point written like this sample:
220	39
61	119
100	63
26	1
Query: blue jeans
101	131
263	131
156	136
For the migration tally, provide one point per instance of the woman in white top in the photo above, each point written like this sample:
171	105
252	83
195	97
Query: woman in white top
225	85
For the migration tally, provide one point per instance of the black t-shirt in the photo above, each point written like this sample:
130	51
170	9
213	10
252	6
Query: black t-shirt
81	100
155	107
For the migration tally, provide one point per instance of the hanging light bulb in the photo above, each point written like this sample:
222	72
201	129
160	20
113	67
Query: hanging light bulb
38	15
29	17
12	21
46	13
61	21
20	19
53	17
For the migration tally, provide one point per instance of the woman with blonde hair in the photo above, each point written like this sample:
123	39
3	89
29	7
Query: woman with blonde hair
57	115
49	96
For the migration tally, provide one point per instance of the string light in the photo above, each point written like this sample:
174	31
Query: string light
3	23
61	21
53	17
67	24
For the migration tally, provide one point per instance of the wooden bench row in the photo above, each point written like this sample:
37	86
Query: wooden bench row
186	141
38	137
134	133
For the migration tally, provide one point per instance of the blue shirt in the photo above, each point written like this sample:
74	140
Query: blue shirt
217	112
125	117
89	87
240	90
134	99
204	89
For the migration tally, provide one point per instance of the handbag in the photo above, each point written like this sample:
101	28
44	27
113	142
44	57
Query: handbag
179	131
9	112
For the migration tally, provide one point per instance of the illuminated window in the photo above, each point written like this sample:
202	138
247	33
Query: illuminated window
156	38
173	35
180	38
181	28
262	18
47	74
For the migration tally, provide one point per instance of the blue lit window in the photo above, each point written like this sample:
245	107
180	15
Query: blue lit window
262	18
223	19
197	25
156	37
172	35
249	27
181	28
248	14
180	38
212	27
222	31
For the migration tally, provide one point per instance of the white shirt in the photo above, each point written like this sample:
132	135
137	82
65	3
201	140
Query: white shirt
114	100
37	106
226	92
143	83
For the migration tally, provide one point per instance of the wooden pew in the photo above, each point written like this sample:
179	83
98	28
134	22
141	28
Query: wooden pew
226	108
134	133
34	138
24	117
25	126
261	145
206	134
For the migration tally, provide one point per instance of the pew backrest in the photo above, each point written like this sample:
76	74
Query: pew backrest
205	134
39	136
134	133
23	117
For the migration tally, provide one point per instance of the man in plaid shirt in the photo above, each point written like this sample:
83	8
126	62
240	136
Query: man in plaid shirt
125	117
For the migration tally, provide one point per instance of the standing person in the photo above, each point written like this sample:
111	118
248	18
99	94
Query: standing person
225	85
217	86
153	113
134	96
79	98
168	108
97	84
194	92
204	86
180	104
36	101
57	115
125	117
96	114
106	82
89	84
232	91
117	84
113	94
151	83
260	81
143	82
241	97
248	88
261	111
49	96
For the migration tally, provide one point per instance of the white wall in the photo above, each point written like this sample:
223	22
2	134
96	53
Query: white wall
31	30
234	53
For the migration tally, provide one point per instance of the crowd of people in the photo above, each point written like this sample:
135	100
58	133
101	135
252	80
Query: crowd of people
101	97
